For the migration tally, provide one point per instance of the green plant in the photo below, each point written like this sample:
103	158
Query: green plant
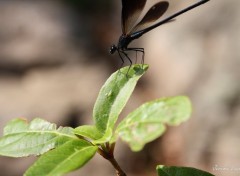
65	149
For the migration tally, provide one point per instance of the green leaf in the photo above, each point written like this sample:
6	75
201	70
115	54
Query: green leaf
88	131
22	139
105	138
148	121
64	159
114	95
180	171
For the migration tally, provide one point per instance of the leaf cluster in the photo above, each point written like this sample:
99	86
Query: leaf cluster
65	149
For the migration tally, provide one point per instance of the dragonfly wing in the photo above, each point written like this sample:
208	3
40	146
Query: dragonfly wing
151	16
131	10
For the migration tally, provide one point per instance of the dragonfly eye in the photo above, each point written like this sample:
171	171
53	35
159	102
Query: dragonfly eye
112	49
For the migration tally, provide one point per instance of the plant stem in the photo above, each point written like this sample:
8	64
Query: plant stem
118	169
110	157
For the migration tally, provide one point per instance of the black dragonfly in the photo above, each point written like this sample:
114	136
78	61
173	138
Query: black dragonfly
131	10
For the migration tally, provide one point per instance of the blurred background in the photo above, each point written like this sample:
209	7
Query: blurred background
54	59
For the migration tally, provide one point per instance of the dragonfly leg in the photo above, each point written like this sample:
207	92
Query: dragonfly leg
138	50
119	53
125	54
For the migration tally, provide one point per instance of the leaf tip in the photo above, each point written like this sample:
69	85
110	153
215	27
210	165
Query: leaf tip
140	69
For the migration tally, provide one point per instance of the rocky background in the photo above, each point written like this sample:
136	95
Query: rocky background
54	59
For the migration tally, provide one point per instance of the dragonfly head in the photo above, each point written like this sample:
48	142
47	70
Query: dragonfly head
113	49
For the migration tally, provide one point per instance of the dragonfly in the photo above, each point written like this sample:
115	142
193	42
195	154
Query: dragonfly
131	11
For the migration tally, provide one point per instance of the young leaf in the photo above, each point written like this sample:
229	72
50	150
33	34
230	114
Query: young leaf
105	138
22	139
64	159
114	95
148	121
180	171
88	131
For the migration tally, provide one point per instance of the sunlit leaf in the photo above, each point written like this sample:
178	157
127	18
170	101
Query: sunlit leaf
105	138
88	131
113	97
148	121
66	158
23	139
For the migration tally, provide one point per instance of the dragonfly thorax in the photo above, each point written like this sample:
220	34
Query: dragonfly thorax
124	41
